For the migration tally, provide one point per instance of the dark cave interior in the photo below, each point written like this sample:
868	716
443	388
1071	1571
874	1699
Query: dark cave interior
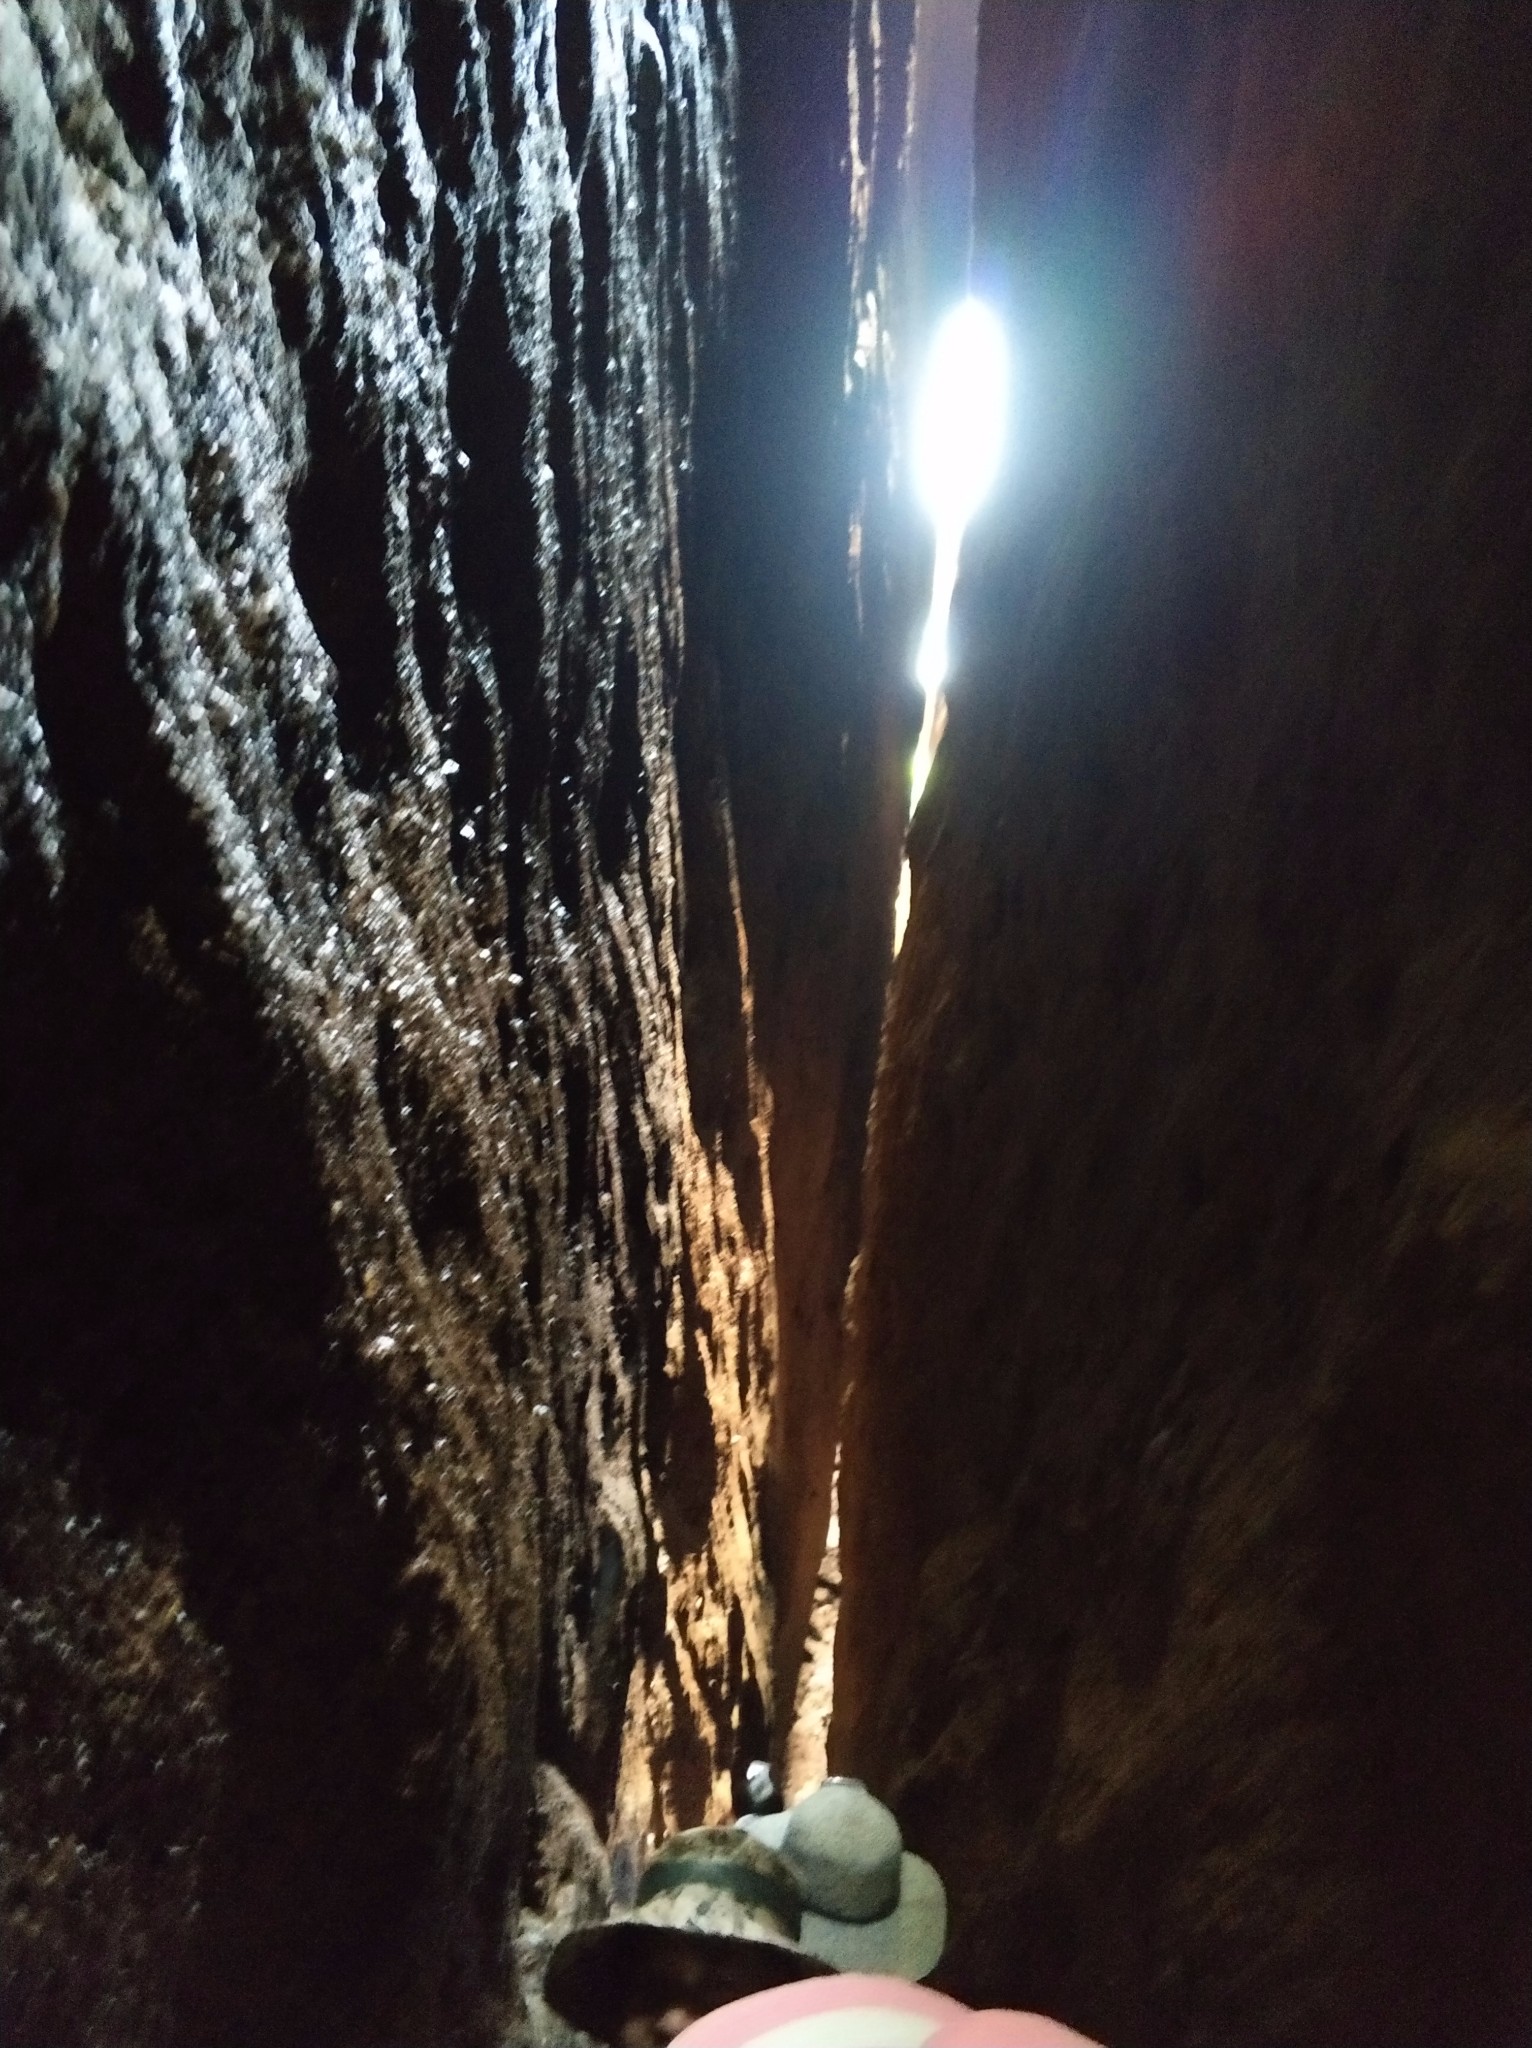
475	1174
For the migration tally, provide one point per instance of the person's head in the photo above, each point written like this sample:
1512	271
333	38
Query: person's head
852	2011
676	1975
868	1904
667	1987
716	1918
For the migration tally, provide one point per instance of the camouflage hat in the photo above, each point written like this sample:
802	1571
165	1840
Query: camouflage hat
717	1917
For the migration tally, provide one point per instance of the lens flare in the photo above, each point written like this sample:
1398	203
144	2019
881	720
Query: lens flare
931	658
955	457
960	419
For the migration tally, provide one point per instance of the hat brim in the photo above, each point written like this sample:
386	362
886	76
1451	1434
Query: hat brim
595	1972
906	1943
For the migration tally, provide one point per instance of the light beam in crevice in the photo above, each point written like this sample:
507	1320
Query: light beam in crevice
959	430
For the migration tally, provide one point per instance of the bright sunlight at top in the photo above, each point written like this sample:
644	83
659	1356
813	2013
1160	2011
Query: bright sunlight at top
961	416
959	427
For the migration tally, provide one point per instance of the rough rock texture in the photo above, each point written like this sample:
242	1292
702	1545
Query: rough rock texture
811	707
384	1316
1188	1605
568	1884
805	1756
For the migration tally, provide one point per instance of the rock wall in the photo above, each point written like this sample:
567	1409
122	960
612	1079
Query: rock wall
1188	1604
810	706
385	1315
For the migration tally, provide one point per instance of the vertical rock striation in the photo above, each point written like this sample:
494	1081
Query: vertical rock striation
1188	1608
383	1346
809	697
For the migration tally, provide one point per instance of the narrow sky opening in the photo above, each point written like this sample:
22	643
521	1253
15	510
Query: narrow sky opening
960	417
959	431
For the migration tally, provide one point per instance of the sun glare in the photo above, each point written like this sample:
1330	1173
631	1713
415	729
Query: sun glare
960	418
955	457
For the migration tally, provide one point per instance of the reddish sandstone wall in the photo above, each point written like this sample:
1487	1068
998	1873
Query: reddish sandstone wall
1187	1594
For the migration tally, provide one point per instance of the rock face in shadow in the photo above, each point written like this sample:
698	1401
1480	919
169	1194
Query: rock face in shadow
809	697
384	1330
1188	1604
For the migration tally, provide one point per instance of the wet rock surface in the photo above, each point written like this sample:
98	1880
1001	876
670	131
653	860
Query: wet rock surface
1187	1602
384	1327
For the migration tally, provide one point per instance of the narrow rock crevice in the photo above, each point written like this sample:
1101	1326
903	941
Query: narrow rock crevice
511	1300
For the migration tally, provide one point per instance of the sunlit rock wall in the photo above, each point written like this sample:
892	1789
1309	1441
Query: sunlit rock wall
383	1326
1188	1607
